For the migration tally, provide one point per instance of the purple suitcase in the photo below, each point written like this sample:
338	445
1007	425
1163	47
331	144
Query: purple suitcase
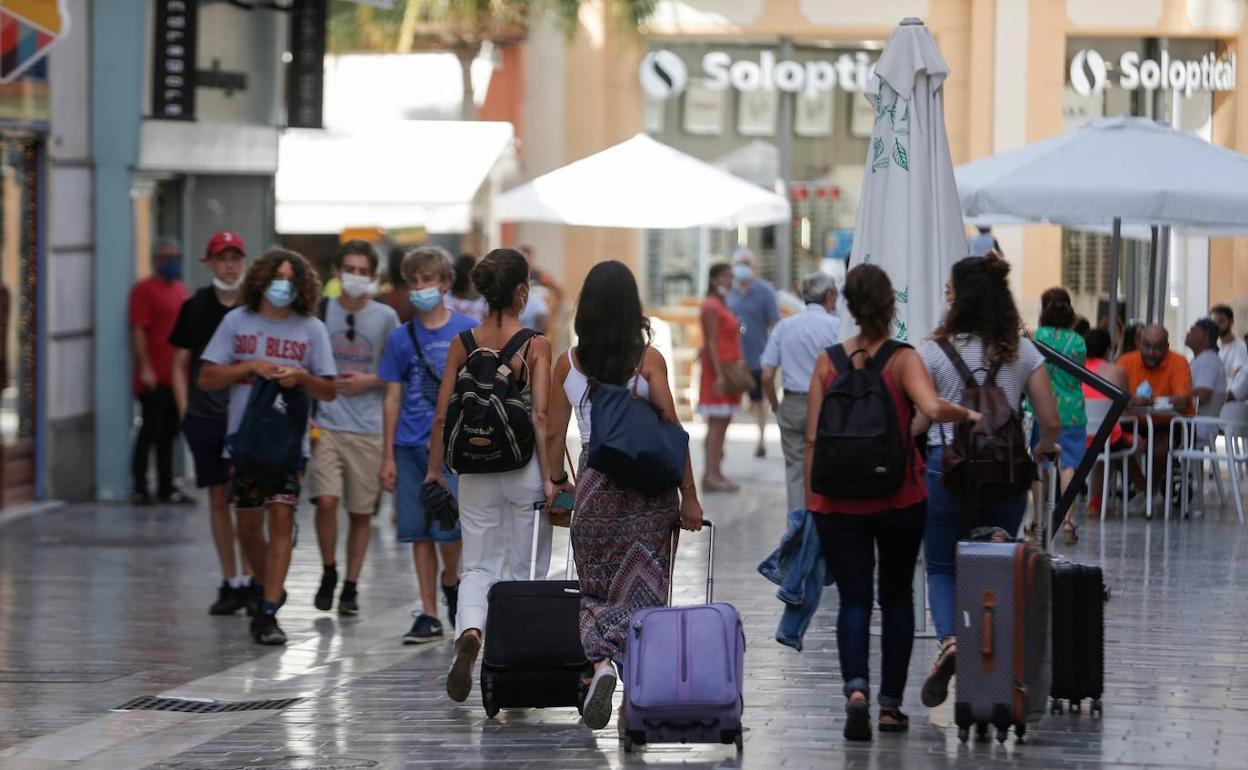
684	671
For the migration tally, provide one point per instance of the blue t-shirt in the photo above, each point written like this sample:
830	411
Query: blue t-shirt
757	310
399	363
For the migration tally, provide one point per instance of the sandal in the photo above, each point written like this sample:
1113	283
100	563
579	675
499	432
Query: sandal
936	686
719	485
893	720
1071	531
857	719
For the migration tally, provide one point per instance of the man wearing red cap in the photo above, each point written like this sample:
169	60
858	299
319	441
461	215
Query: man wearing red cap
203	412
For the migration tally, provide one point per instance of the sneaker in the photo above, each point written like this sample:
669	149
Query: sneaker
760	451
253	594
325	594
451	594
348	602
424	630
229	600
597	708
936	686
264	629
459	678
176	497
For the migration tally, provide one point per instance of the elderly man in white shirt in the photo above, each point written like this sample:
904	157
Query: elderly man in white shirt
1231	349
793	348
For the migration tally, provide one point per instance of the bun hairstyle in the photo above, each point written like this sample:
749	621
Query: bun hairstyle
498	275
983	306
869	295
1056	309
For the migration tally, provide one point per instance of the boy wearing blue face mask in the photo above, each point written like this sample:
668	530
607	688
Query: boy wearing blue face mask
346	459
274	334
412	365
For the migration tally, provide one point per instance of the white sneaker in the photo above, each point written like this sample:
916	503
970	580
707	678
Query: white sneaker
597	709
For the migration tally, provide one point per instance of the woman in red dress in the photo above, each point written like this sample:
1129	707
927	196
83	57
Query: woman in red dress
721	344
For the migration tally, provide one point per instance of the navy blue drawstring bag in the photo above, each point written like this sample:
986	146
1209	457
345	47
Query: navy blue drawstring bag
268	444
631	444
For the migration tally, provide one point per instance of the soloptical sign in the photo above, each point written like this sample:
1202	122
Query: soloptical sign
664	74
1090	73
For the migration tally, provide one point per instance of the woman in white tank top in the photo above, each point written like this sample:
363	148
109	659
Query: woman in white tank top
613	526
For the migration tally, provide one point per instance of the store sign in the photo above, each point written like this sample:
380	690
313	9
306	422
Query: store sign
305	83
173	60
664	74
27	30
1090	73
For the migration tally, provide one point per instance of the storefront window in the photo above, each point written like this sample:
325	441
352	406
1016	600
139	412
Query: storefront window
18	277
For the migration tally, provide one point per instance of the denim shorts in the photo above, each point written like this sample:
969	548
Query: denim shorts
206	438
1073	441
412	464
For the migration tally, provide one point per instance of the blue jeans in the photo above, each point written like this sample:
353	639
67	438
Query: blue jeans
945	514
849	545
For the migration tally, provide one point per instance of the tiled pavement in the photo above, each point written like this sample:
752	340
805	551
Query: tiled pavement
100	604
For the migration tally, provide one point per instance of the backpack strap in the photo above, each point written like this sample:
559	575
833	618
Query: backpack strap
840	360
955	358
468	341
885	354
322	308
515	344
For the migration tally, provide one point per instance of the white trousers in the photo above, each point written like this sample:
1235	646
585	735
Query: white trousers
496	513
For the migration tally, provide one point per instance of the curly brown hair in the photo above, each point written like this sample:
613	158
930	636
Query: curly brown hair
1056	309
984	306
305	280
869	294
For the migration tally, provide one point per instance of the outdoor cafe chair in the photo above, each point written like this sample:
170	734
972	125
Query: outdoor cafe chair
1186	449
1097	409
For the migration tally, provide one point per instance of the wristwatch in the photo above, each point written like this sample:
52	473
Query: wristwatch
561	480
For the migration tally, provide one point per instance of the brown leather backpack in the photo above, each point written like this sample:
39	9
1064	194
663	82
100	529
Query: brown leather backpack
990	461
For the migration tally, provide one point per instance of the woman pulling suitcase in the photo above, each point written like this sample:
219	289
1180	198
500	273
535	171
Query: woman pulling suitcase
621	537
865	378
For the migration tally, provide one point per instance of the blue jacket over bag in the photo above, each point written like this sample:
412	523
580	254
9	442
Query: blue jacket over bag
797	566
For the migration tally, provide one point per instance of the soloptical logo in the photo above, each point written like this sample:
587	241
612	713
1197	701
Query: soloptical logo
663	74
1088	73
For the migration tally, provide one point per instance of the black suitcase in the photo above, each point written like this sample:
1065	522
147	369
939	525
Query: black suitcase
1079	596
533	656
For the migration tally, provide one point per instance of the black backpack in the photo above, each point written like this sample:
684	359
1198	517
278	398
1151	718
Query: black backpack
861	452
268	444
489	427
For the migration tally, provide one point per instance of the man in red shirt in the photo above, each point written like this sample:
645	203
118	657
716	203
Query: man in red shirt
154	305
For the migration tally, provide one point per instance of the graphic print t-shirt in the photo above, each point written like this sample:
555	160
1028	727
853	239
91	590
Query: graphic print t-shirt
401	364
293	341
357	347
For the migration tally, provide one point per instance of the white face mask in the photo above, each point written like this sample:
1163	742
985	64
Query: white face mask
355	286
223	286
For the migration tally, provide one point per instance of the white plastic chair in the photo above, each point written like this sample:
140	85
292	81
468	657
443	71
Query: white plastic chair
1232	422
1097	409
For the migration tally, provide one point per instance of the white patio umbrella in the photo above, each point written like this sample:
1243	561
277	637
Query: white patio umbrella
909	220
641	183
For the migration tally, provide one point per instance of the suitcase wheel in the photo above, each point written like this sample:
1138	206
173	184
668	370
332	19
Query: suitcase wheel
964	734
1020	732
981	731
1056	707
1076	706
627	743
1097	708
491	711
739	742
1003	733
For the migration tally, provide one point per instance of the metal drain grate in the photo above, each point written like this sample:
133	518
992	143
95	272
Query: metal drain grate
190	706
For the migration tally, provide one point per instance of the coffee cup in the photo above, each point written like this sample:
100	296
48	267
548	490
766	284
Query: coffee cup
1162	402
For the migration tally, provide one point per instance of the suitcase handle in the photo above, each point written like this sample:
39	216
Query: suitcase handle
990	604
537	524
683	725
710	561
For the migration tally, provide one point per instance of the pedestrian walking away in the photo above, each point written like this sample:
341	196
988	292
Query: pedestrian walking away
981	328
753	301
724	374
272	339
500	453
413	369
204	412
621	537
347	455
154	306
793	347
869	376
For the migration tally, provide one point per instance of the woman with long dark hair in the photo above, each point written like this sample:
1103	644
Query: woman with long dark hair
983	327
463	297
852	530
621	538
721	348
496	509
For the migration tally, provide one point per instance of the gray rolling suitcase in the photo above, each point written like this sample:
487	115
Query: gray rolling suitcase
1004	659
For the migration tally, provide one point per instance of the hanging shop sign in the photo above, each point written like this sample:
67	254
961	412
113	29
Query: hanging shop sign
173	59
27	30
305	84
665	74
1090	74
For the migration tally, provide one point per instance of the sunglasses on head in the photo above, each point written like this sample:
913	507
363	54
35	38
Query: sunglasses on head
350	327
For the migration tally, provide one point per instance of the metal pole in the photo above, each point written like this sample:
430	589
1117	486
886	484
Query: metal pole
1163	278
1133	281
784	231
1152	276
1115	249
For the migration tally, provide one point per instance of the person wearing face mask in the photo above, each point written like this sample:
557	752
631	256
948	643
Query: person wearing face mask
274	335
203	412
721	346
154	306
346	460
753	301
412	368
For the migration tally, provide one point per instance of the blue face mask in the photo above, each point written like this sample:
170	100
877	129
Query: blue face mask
280	293
742	272
425	299
170	269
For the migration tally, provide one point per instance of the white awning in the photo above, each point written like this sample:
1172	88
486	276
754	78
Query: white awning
403	174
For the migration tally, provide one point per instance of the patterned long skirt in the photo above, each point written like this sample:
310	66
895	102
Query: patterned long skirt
622	541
